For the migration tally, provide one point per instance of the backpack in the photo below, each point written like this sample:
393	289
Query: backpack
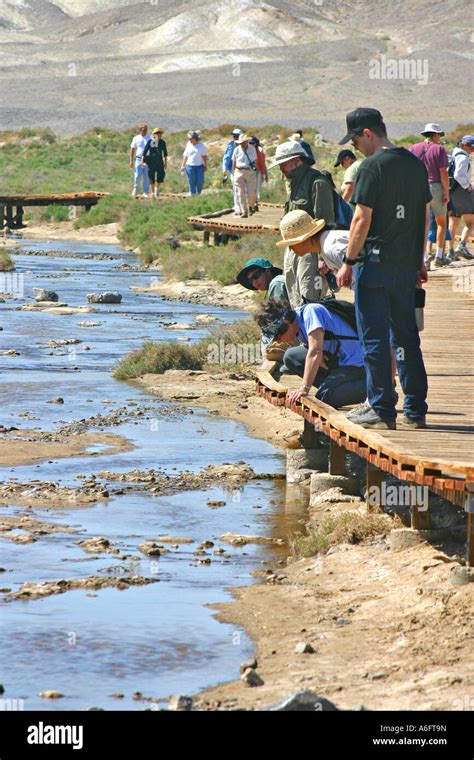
343	309
451	168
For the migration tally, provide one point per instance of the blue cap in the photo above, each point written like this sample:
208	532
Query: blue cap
467	140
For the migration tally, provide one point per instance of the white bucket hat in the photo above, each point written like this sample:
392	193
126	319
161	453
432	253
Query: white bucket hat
288	150
297	226
432	128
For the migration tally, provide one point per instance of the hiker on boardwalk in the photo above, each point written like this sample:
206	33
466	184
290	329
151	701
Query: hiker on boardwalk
350	163
244	168
137	148
195	158
310	191
262	174
435	160
385	257
330	356
155	156
227	165
462	194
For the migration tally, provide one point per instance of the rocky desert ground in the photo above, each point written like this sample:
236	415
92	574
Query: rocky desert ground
75	64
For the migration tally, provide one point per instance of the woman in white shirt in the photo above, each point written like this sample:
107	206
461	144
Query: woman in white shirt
195	157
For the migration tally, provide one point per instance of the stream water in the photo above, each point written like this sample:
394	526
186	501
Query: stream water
157	639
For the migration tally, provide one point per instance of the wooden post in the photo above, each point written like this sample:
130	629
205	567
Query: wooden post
88	206
10	222
469	508
2	216
470	539
420	515
217	237
310	437
206	236
337	459
374	478
19	216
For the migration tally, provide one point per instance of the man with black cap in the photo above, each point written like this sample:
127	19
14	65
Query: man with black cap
386	244
348	160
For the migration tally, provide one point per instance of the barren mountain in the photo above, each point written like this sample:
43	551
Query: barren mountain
74	64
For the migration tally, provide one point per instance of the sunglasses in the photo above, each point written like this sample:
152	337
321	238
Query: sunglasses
255	274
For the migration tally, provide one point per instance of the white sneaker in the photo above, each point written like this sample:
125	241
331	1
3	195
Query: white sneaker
145	195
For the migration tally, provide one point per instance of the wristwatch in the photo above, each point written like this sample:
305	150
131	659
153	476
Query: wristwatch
351	262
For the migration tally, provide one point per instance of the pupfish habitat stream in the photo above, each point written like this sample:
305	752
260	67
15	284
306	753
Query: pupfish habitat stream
143	625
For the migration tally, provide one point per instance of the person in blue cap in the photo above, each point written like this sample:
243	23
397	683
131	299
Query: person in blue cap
462	194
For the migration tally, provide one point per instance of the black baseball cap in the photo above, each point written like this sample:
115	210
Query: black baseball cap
361	118
344	154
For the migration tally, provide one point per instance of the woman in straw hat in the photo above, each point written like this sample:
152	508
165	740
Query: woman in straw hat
303	234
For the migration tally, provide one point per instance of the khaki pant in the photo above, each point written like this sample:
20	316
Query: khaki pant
245	181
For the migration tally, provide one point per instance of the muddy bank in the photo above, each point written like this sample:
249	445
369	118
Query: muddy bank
205	292
29	446
101	233
389	631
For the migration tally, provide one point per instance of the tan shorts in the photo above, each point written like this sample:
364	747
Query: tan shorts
437	206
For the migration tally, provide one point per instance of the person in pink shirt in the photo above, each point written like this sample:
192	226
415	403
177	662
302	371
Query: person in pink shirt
436	162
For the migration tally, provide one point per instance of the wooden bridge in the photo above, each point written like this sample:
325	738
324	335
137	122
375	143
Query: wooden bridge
15	221
225	224
441	456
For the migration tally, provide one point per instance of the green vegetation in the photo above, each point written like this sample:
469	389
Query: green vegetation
55	213
6	262
38	161
344	528
156	358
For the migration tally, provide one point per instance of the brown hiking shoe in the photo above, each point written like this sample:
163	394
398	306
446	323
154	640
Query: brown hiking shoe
412	423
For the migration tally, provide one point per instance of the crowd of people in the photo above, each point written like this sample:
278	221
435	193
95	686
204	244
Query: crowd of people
351	352
375	235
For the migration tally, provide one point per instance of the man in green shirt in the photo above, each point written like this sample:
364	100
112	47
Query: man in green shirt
385	255
310	191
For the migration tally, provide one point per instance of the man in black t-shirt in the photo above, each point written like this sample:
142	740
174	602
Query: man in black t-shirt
387	239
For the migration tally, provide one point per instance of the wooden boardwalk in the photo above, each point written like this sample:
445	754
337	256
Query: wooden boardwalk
8	202
442	456
225	223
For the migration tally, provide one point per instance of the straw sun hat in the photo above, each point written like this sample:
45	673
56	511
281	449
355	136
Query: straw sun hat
298	226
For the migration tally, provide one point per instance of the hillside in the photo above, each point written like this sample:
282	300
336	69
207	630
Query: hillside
74	64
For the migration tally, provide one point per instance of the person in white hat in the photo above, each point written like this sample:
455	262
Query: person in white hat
436	162
310	191
244	167
227	165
